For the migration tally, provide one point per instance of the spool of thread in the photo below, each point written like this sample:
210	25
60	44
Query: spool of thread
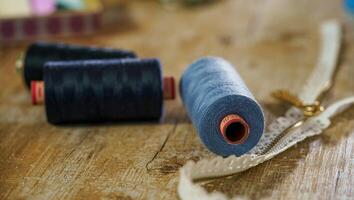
104	90
39	53
227	117
38	90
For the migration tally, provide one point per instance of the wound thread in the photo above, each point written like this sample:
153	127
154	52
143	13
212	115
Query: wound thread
37	90
228	119
103	90
39	53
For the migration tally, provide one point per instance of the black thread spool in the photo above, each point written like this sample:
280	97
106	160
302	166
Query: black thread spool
103	90
40	52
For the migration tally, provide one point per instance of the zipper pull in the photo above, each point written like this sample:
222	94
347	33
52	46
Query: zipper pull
308	110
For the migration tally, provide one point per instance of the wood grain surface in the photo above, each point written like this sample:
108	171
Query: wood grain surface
273	43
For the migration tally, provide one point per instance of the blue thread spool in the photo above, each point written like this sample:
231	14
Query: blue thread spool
228	119
349	6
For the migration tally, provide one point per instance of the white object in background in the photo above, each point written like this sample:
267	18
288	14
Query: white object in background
14	8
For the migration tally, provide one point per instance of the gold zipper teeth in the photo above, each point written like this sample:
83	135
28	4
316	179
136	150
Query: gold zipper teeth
280	136
308	110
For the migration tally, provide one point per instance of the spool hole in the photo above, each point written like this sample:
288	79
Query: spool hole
234	129
235	132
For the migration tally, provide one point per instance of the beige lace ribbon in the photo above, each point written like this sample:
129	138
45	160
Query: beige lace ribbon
319	81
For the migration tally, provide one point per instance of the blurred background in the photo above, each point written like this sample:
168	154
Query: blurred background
22	20
28	20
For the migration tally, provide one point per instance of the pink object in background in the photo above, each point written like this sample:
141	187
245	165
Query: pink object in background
43	7
66	24
43	20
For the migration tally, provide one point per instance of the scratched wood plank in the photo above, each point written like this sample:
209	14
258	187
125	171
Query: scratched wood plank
273	43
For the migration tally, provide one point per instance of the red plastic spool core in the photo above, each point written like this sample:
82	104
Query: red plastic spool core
234	129
37	91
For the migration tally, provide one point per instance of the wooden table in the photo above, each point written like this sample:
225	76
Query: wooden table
273	43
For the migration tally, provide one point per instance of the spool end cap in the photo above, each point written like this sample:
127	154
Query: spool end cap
169	88
37	92
234	129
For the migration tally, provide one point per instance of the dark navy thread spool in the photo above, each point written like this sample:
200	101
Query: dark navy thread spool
103	90
228	119
38	91
39	53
